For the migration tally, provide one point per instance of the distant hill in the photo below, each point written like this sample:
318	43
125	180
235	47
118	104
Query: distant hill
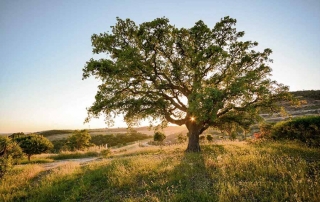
49	133
59	134
309	106
308	94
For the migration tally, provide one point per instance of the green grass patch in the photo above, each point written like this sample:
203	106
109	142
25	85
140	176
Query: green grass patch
36	161
268	171
74	155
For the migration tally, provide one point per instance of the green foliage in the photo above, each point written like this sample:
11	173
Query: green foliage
36	161
59	145
75	155
159	136
34	144
116	139
16	135
79	140
230	128
10	153
196	76
105	152
305	129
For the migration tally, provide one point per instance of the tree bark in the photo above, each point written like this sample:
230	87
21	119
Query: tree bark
194	133
29	157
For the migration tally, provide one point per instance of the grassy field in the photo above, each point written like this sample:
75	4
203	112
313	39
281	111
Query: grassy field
228	171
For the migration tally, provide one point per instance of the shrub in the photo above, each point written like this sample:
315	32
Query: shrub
305	129
105	152
233	135
209	138
159	137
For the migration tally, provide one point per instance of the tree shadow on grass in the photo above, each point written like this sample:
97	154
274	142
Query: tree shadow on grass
192	175
190	179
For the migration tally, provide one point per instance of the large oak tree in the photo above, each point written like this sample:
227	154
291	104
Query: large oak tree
199	77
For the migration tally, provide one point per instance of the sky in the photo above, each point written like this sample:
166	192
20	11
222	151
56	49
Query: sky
44	44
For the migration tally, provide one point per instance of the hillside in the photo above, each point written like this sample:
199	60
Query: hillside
310	106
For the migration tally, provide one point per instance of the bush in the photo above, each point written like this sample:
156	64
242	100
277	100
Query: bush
10	153
105	152
209	138
305	129
159	137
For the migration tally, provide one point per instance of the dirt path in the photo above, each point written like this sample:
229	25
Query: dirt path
55	164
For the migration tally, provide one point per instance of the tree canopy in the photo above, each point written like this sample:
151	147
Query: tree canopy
79	140
199	77
34	144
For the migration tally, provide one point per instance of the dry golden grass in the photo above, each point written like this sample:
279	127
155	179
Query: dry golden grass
227	171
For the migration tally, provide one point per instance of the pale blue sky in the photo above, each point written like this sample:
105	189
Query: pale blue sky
45	44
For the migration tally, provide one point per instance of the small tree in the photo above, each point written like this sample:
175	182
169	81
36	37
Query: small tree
34	144
79	140
159	137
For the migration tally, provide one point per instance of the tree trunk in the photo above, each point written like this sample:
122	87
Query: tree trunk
194	133
29	157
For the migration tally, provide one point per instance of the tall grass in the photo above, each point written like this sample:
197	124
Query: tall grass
267	171
93	151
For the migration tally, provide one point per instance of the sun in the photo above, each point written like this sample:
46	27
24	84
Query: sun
192	118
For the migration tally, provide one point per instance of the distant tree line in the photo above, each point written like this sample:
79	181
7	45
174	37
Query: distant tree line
111	140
